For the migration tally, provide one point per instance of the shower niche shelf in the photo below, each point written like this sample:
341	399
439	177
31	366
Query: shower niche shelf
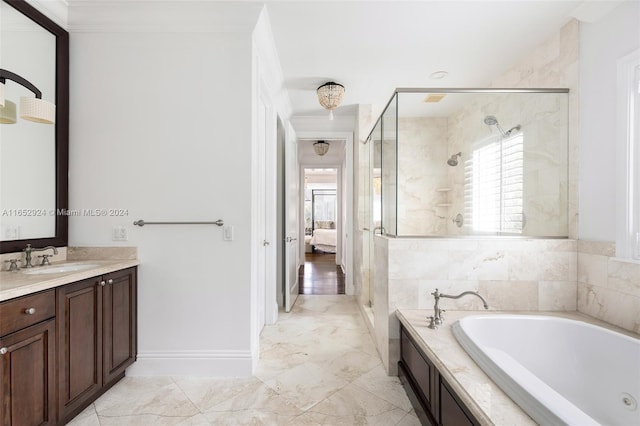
444	198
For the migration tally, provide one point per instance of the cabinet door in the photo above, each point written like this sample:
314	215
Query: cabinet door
79	325
27	376
452	413
119	323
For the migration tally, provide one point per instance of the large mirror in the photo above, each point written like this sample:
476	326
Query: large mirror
33	155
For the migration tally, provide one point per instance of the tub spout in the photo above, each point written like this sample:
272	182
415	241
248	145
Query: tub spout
437	318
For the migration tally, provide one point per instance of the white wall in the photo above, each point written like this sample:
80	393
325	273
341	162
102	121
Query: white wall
161	126
601	44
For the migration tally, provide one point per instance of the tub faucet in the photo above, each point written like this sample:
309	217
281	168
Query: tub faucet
28	250
437	318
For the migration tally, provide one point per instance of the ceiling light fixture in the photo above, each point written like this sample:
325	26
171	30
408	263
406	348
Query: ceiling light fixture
321	147
32	109
330	96
438	75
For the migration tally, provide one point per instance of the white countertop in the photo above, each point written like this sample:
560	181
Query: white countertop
16	284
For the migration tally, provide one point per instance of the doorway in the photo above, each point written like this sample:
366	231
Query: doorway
321	273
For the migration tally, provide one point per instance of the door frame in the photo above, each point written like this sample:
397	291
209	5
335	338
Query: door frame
347	184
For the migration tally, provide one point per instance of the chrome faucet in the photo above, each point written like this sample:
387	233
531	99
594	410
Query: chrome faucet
28	250
437	318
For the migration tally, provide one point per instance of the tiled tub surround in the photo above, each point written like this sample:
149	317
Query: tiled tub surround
16	284
512	274
486	401
608	288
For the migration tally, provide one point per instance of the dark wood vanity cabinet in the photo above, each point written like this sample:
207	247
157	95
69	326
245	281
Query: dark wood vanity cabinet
96	334
27	360
435	403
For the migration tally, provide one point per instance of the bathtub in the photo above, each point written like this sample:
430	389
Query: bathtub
560	371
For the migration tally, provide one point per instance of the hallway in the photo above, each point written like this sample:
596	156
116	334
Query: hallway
321	275
318	366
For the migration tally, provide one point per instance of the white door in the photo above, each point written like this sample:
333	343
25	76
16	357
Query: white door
291	214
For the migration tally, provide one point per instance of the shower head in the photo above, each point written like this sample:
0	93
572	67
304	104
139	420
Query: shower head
490	120
453	161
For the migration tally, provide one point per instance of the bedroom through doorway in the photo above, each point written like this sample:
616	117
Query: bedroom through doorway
320	274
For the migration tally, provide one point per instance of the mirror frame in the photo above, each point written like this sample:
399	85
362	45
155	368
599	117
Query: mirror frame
60	239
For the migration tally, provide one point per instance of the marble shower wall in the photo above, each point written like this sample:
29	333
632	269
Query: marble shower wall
608	288
518	275
543	121
422	169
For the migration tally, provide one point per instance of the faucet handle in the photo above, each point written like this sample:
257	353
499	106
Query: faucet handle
13	264
45	259
432	323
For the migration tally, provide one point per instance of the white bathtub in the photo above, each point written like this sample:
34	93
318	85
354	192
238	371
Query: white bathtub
559	371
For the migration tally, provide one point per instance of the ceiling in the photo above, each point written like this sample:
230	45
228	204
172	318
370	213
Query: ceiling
374	47
333	158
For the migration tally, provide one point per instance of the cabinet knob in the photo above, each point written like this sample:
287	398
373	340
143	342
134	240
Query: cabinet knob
3	351
110	282
103	283
30	311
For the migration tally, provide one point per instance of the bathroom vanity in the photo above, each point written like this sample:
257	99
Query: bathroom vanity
65	338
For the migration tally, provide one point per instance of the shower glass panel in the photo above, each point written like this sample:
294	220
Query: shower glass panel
389	170
459	162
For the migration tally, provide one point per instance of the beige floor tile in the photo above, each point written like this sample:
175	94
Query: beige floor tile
154	420
318	366
208	392
306	384
88	417
145	395
386	387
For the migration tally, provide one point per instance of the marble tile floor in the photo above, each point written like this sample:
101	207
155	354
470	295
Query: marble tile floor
318	366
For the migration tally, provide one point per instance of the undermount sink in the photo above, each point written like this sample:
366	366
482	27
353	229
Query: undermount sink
58	269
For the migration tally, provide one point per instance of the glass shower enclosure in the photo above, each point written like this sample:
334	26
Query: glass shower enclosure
465	162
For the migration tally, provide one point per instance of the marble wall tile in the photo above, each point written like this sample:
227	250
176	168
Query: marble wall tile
557	295
543	266
608	288
610	306
593	269
603	248
508	295
409	264
624	277
478	265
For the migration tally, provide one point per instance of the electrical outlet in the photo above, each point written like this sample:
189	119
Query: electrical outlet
119	233
12	233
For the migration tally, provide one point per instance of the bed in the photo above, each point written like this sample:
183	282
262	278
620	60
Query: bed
324	237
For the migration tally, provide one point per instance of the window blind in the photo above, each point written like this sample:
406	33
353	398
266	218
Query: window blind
494	185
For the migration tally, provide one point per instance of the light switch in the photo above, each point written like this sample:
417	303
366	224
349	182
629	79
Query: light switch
119	233
227	232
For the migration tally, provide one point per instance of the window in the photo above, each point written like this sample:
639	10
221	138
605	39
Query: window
495	185
628	234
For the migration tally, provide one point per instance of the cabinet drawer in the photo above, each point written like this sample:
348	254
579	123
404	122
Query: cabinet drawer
14	314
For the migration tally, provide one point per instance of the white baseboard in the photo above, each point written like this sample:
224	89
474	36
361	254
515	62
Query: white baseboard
193	363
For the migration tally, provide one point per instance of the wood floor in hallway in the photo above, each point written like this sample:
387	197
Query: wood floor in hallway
321	275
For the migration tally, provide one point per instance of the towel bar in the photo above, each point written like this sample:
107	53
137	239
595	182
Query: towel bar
141	223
